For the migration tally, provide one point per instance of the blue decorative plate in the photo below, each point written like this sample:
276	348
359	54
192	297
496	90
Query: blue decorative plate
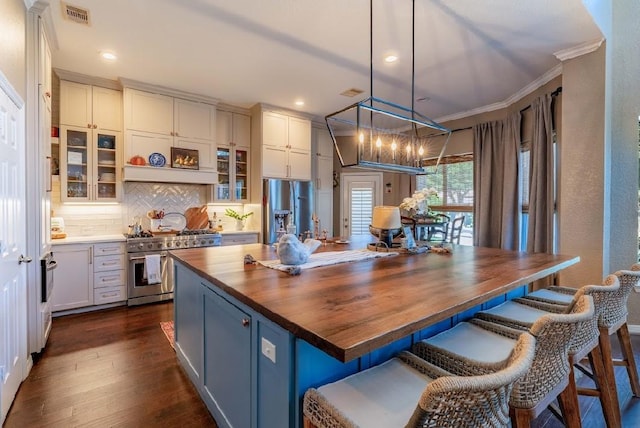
157	159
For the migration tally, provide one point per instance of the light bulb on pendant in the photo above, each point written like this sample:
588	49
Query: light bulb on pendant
420	151
408	152
379	146
361	137
394	146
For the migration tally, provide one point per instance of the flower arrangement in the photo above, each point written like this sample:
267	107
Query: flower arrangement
234	214
417	203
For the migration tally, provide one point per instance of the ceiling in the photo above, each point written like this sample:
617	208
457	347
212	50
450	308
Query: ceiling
468	54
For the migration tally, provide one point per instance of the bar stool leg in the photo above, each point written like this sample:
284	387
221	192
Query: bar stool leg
607	359
628	358
604	388
520	418
568	400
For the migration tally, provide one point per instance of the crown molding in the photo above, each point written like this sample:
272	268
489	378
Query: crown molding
538	83
578	50
87	80
135	84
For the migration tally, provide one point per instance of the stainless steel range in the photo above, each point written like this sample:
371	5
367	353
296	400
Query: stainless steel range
143	252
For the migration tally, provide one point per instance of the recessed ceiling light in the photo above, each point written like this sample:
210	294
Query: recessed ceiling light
299	103
390	58
109	56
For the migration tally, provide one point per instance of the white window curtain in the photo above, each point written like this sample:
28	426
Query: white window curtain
496	185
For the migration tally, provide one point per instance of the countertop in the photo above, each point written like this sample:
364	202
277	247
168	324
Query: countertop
88	239
350	309
121	238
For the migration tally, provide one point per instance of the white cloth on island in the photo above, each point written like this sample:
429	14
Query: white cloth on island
329	258
152	269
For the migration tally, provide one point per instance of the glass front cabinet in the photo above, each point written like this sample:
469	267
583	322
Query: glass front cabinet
233	138
90	164
233	174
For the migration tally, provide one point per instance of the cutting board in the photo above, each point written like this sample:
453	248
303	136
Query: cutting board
197	217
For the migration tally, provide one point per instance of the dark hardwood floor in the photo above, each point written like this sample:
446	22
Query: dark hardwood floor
115	368
112	368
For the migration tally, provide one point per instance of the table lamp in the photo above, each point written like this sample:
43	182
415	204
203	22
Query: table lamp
385	223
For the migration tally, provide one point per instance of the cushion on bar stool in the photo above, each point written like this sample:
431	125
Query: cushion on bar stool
408	391
551	296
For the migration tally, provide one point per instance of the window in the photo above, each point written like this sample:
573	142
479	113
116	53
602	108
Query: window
361	209
454	183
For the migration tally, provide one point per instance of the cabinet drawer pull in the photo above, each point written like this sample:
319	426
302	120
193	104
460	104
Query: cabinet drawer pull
111	263
111	294
110	278
245	322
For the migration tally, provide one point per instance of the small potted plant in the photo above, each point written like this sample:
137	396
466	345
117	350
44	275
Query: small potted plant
240	218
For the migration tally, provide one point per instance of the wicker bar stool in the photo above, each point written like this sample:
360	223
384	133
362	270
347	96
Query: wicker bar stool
408	391
522	313
477	346
612	318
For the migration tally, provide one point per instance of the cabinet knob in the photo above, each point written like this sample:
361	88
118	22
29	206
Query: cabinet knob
176	134
47	94
95	126
245	322
89	125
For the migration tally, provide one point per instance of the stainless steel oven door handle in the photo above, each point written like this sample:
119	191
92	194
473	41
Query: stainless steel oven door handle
162	256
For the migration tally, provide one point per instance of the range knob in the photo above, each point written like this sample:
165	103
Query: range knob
169	244
177	243
141	245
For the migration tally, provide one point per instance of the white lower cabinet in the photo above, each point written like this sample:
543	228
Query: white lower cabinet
73	278
89	274
109	275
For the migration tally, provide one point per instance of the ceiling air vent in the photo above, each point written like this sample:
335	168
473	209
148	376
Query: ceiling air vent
352	92
75	14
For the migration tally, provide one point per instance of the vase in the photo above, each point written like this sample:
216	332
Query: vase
239	224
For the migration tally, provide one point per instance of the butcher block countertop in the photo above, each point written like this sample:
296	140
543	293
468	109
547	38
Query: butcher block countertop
350	309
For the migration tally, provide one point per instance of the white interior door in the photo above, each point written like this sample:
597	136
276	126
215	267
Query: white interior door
360	193
13	291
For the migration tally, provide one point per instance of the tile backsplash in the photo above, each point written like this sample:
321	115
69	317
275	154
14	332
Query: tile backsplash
139	198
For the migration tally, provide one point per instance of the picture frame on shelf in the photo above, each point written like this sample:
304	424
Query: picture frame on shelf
184	158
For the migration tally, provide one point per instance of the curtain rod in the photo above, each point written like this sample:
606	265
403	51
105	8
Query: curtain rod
553	94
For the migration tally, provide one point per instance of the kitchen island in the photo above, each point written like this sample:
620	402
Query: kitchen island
254	339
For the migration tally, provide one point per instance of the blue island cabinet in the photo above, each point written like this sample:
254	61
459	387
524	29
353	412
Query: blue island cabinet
239	361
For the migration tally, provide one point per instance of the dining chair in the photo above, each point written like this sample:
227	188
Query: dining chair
522	313
456	229
408	391
477	347
440	232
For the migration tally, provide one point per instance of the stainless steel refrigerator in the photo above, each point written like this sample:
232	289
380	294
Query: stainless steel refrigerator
284	202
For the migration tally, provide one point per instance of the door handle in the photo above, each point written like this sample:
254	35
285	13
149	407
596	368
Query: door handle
23	259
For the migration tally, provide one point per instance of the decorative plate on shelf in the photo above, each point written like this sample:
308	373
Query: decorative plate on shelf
157	159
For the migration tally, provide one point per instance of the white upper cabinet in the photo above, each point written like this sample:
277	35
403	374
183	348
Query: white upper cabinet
144	111
286	146
87	106
90	143
156	122
233	140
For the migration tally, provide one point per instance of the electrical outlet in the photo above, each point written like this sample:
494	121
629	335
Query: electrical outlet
268	350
